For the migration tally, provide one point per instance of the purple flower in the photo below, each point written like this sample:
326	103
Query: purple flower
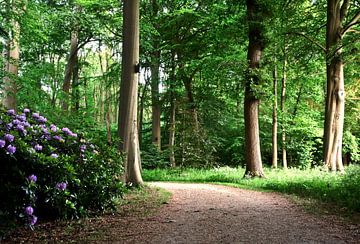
82	148
20	128
11	149
32	178
65	129
42	119
38	147
26	110
54	155
9	126
2	143
16	122
11	112
35	115
9	137
61	186
72	134
29	210
57	138
21	117
33	220
53	128
26	124
45	131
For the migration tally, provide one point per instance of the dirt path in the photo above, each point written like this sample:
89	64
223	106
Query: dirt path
202	213
199	213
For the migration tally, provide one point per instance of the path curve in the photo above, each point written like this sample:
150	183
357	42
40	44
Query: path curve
204	213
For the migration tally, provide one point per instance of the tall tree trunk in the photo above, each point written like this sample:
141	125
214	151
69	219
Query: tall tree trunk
172	114
69	69
192	107
75	86
274	125
12	66
155	81
127	124
335	94
155	100
142	97
251	102
283	127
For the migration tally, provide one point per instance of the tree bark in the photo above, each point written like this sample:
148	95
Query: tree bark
192	107
12	66
142	97
75	86
69	69
172	114
283	97
127	123
155	101
335	93
251	102
155	81
274	125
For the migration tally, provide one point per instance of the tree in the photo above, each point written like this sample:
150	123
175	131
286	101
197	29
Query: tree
127	123
12	56
275	125
336	28
70	68
251	101
155	78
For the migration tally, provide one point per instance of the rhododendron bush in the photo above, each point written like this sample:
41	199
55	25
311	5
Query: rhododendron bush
52	172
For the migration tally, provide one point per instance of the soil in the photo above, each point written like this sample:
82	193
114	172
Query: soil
204	213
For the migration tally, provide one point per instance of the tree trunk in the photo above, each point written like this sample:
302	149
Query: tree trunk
12	67
192	107
69	69
283	127
251	102
274	125
141	109
172	130
155	101
75	86
172	113
127	124
155	81
335	94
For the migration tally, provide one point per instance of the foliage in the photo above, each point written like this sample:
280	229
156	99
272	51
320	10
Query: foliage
54	171
343	190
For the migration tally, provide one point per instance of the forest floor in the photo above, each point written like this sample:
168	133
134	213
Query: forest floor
201	213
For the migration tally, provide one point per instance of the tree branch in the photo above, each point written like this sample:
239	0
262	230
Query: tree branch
353	21
344	10
309	39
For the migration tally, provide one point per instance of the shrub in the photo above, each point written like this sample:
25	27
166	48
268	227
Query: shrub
48	172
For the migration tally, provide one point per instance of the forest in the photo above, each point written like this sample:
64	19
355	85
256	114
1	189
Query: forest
99	96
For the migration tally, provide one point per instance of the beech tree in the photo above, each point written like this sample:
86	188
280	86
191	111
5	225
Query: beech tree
155	80
12	58
127	123
251	101
338	24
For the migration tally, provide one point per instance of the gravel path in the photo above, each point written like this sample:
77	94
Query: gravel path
203	213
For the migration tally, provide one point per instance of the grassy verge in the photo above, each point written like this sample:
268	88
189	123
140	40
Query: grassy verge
337	191
137	203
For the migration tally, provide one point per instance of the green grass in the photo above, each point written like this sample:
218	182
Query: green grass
325	187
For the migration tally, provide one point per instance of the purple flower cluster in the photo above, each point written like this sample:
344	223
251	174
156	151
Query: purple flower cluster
29	213
32	178
68	132
61	186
